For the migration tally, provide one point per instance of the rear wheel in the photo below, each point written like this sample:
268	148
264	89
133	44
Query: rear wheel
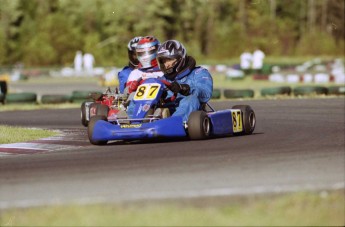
199	125
102	110
248	116
83	114
93	109
90	129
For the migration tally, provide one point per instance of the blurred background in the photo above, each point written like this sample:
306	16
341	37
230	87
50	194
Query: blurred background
49	32
42	37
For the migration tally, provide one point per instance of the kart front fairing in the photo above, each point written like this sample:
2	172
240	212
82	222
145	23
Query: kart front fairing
168	127
147	96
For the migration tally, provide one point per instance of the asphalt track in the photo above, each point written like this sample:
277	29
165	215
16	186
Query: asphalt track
297	145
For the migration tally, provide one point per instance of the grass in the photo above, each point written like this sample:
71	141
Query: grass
301	209
13	107
59	80
10	134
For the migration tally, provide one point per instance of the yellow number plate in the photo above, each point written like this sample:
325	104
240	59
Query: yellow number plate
147	91
236	121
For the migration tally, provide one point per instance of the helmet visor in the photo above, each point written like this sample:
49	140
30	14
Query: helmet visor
144	52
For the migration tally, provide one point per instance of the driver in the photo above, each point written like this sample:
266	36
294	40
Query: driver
146	51
192	84
132	64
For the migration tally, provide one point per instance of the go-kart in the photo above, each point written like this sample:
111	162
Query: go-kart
151	119
107	104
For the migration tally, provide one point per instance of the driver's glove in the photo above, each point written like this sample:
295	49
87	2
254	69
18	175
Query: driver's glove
134	85
183	89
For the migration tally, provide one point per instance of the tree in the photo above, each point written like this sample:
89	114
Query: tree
215	29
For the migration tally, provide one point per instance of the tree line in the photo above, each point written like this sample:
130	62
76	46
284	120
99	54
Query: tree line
49	32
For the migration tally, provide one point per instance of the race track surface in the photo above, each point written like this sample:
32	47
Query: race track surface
297	145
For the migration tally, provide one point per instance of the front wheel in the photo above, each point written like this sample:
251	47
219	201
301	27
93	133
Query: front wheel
90	128
199	125
248	116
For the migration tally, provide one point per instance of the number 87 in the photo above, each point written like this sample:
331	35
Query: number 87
147	92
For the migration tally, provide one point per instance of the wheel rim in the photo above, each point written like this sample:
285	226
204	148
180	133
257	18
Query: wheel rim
252	120
206	126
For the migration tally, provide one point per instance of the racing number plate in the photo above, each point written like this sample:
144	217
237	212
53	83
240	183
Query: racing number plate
237	120
147	91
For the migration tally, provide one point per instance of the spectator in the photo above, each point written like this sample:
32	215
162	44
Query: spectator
78	62
258	60
246	61
88	61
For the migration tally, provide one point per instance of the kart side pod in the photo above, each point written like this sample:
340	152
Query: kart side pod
240	119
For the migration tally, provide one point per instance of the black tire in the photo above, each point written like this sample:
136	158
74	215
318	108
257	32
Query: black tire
24	97
3	87
55	99
2	98
93	109
102	110
216	94
336	90
199	125
234	94
90	128
275	91
248	118
80	96
310	90
83	114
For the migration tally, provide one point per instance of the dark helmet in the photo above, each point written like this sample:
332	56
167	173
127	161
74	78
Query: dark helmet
132	56
171	49
147	51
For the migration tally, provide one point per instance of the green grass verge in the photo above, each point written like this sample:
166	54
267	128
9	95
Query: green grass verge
10	134
59	80
12	107
302	209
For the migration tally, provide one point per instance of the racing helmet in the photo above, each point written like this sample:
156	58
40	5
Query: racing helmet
132	56
171	50
147	51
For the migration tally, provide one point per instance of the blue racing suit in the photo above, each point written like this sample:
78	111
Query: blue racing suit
201	86
123	77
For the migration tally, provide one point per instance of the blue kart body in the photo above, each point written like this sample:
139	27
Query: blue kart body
168	127
142	125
